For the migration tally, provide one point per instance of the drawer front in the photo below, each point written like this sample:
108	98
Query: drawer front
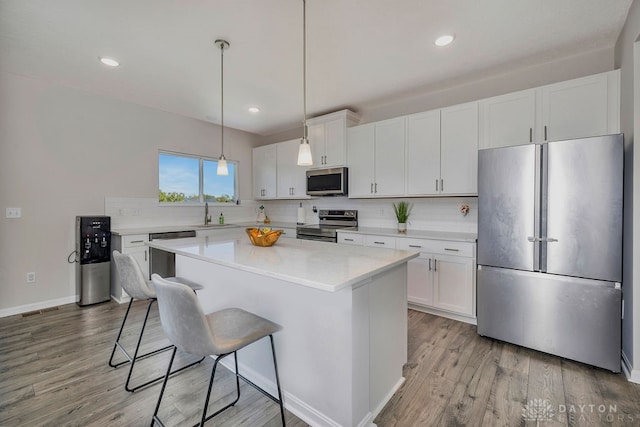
441	247
380	241
134	240
351	239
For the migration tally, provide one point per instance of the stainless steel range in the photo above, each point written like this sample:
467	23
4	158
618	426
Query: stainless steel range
331	220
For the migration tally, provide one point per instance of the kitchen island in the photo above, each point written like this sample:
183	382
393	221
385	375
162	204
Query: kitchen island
343	311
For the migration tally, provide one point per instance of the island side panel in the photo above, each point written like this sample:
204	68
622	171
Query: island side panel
389	334
315	348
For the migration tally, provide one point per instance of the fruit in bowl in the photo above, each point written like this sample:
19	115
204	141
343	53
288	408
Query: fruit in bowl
264	236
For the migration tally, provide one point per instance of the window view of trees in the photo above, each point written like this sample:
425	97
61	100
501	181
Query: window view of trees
192	179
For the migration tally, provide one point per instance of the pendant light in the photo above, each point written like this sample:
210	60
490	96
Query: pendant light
304	151
222	161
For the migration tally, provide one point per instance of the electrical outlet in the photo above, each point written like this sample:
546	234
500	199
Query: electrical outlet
31	277
13	212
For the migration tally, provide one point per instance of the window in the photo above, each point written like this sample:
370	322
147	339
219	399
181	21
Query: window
192	179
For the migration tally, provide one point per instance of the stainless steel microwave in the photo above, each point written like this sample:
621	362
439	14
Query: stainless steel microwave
327	182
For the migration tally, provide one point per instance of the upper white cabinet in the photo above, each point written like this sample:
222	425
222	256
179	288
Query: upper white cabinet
423	153
508	119
588	106
442	151
291	179
459	149
264	172
376	159
327	137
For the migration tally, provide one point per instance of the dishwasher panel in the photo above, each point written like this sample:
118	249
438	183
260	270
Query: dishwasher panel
163	262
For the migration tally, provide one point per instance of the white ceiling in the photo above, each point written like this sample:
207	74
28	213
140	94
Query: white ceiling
359	52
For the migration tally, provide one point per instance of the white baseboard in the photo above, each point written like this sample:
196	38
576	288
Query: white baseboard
633	375
296	406
5	312
442	313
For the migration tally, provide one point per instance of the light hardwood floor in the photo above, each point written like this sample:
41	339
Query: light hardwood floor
54	372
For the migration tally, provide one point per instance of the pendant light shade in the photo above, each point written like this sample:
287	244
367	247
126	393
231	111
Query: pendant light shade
222	161
304	151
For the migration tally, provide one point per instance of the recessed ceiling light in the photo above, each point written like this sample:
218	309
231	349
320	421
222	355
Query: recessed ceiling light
254	110
109	61
444	40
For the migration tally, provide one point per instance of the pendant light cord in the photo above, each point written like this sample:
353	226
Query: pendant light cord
222	100
304	68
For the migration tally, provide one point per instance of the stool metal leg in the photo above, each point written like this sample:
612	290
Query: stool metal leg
275	366
164	385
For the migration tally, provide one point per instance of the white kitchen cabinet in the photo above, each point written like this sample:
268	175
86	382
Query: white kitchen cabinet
442	278
508	119
442	148
459	149
327	137
423	153
376	159
588	106
583	107
134	245
265	172
291	179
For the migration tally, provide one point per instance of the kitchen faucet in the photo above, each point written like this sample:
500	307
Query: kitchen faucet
207	217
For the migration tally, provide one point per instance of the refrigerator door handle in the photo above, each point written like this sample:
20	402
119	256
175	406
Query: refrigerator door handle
550	239
534	239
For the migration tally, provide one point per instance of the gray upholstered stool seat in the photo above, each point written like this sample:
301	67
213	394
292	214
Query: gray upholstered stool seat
133	281
220	334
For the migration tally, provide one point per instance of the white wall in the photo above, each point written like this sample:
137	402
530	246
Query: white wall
62	151
627	52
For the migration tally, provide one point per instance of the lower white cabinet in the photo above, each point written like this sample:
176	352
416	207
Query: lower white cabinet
442	277
135	245
441	280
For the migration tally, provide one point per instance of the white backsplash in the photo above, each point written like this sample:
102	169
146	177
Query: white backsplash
133	212
437	213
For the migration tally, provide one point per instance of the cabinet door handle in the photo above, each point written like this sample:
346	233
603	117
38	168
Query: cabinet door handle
348	240
452	250
415	246
145	255
137	241
545	132
530	134
441	184
376	187
371	188
435	264
379	243
429	264
436	185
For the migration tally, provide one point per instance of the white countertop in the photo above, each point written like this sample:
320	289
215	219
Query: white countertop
452	236
320	265
169	228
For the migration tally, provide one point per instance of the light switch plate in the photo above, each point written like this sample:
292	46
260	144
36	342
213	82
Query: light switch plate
14	212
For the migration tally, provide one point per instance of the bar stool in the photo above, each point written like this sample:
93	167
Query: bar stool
133	282
220	334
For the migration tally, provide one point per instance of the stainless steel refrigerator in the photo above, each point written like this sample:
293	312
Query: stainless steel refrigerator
550	247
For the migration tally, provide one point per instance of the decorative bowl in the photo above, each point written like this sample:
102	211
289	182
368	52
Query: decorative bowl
263	236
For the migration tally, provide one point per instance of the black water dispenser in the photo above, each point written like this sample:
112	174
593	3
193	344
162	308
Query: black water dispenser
93	246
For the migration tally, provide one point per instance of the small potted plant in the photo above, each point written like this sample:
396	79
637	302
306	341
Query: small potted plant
402	211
